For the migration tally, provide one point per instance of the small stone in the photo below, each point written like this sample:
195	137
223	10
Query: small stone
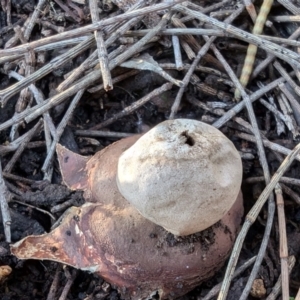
258	289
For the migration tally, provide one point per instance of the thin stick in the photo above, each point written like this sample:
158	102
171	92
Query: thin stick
4	199
290	6
188	75
271	108
129	109
251	217
282	243
34	17
287	77
288	191
177	52
263	161
295	104
106	134
287	55
256	95
60	130
36	208
12	146
286	18
170	66
215	290
212	32
89	28
115	80
188	50
86	64
68	10
19	151
276	289
39	109
271	57
102	51
54	286
267	143
8	12
288	113
39	98
7	93
71	277
249	109
18	178
286	180
194	45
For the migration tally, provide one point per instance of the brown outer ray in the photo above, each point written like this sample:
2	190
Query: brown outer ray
72	167
112	238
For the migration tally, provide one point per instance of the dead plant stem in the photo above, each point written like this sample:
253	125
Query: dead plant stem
287	55
251	217
101	48
4	199
282	243
89	28
189	73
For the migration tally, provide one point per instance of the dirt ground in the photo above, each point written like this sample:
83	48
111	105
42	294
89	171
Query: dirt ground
35	196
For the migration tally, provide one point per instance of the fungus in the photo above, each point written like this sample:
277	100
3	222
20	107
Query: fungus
183	175
126	239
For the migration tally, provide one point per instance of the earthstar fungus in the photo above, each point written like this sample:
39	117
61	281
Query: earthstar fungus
124	240
180	172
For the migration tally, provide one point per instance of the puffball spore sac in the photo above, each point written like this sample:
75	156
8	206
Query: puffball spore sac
109	236
183	175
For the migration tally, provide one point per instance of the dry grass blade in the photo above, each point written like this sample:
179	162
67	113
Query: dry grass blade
134	106
252	49
283	243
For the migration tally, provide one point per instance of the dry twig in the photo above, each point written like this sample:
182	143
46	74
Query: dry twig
101	49
277	287
283	243
4	199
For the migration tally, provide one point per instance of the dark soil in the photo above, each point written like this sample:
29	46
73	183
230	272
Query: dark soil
40	279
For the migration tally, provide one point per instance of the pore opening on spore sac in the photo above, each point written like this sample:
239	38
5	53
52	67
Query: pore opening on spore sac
188	139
